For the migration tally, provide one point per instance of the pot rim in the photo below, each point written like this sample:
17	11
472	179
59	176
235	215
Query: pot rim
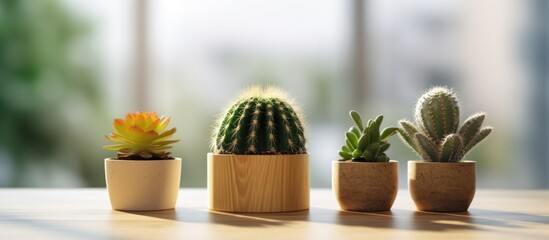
149	160
351	162
219	154
425	162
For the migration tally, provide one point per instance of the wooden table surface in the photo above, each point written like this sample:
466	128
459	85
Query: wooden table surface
86	214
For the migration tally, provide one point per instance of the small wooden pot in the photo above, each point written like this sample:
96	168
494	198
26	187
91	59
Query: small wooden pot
143	185
365	186
442	187
258	183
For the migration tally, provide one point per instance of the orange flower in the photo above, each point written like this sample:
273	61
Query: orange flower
142	135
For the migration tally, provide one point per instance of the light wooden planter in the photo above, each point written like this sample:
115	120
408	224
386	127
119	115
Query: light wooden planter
143	185
442	187
365	186
258	183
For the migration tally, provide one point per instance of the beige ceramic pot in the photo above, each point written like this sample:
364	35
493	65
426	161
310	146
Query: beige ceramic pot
442	187
258	183
143	185
365	186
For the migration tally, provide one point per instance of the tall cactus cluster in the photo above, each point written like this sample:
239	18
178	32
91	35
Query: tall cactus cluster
366	143
262	121
436	137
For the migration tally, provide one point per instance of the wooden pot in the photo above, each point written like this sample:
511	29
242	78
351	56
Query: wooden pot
365	186
258	183
442	187
143	185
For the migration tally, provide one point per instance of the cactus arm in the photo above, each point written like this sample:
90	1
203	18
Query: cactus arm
427	148
388	132
406	133
450	148
483	133
471	127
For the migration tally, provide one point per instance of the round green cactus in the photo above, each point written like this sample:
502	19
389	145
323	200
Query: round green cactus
262	121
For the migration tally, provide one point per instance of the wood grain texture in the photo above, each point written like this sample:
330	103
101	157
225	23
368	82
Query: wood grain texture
258	183
86	214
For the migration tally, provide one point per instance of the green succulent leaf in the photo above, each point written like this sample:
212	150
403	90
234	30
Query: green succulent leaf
384	147
388	132
374	148
352	138
356	118
362	142
367	155
349	145
370	123
345	155
357	153
356	131
382	158
378	121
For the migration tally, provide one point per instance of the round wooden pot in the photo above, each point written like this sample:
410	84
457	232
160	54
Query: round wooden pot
258	183
143	185
442	187
365	186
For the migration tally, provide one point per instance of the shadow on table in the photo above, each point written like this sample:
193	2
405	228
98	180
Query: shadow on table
475	219
205	216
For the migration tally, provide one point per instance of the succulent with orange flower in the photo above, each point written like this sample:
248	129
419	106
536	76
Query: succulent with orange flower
141	136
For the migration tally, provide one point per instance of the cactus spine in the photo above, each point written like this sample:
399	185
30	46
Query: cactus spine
263	121
438	137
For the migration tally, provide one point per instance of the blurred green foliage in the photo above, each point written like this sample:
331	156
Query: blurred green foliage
38	73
